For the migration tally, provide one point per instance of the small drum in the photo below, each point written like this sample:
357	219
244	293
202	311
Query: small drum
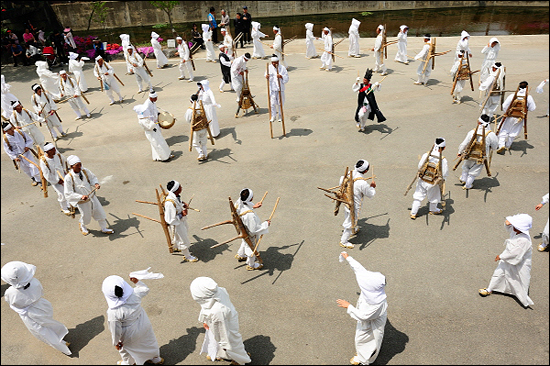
166	120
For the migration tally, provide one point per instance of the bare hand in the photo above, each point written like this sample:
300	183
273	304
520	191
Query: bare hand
268	222
184	212
342	303
85	197
267	76
205	326
270	46
60	181
539	206
372	49
373	184
497	258
106	73
97	185
280	76
26	149
345	255
17	159
257	205
134	280
119	345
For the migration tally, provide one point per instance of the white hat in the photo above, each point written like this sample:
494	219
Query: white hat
62	72
72	160
175	187
223	30
442	142
276	28
49	146
154	35
178	37
73	56
381	27
205	27
274	58
522	222
7	126
362	165
36	86
153	94
221	45
18	274
98	58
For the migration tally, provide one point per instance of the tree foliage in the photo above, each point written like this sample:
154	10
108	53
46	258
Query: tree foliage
167	7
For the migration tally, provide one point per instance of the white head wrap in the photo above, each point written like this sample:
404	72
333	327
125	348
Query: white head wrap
381	27
206	293
372	285
255	25
49	146
73	56
72	160
206	84
363	167
5	86
125	38
178	37
250	195
13	105
326	29
154	35
175	187
62	72
276	28
41	65
35	86
355	23
7	127
402	28
223	30
108	288
18	274
483	123
522	222
442	144
309	27
221	45
98	58
464	34
274	58
205	27
153	94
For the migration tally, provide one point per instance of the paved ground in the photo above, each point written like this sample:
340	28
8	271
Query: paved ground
288	314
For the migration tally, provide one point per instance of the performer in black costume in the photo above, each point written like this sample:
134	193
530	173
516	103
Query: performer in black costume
367	107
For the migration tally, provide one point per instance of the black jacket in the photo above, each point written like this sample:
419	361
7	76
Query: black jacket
372	102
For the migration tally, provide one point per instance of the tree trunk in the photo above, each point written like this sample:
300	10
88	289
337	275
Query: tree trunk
90	19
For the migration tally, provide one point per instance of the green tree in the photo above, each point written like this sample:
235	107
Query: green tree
167	7
100	10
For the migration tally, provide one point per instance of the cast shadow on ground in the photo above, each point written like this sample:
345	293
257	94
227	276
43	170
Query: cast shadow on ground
448	210
82	334
393	344
514	298
261	349
64	150
368	233
229	131
24	74
381	127
520	146
177	350
485	184
121	225
3	289
172	140
274	260
296	132
216	155
250	112
201	249
543	116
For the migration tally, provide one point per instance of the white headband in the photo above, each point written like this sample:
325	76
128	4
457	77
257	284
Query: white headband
175	187
363	166
483	122
274	58
98	58
72	160
62	72
36	86
49	146
223	30
179	38
250	194
153	94
441	144
276	28
7	127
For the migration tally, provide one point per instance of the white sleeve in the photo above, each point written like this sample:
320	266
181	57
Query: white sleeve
170	214
422	160
91	177
367	311
464	143
485	49
224	62
444	168
507	102
141	290
531	106
541	86
545	199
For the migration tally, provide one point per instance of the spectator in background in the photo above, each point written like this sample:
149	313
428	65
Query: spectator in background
13	37
238	23
31	54
41	37
213	24
28	37
58	41
247	24
99	51
197	37
225	22
17	53
69	39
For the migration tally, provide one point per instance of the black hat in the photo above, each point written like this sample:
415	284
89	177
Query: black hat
485	118
194	97
427	35
245	7
498	64
368	74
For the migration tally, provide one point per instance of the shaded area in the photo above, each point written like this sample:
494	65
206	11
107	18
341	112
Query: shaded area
82	334
121	225
216	155
177	350
3	289
229	131
172	140
294	132
201	249
368	233
520	146
448	210
261	349
275	260
393	344
381	127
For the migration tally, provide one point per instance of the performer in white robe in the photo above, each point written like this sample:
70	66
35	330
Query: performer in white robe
185	60
361	188
423	76
207	37
379	65
326	57
25	297
254	227
78	192
494	99
470	168
131	329
429	189
104	72
238	69
353	32
227	42
220	319
278	77
311	52
371	312
491	53
278	44
18	142
7	98
24	119
459	86
256	35
162	60
75	66
147	114
401	55
139	69
511	126
545	233
175	214
209	102
45	107
69	87
513	272
48	79
200	136
540	90
54	167
125	38
463	44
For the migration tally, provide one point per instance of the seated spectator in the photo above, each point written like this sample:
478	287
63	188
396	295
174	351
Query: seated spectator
31	53
41	37
13	37
197	37
28	37
17	53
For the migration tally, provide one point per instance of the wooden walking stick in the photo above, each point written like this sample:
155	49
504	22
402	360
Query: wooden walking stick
269	100
442	180
270	217
262	200
380	82
207	124
44	186
525	113
281	101
191	126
